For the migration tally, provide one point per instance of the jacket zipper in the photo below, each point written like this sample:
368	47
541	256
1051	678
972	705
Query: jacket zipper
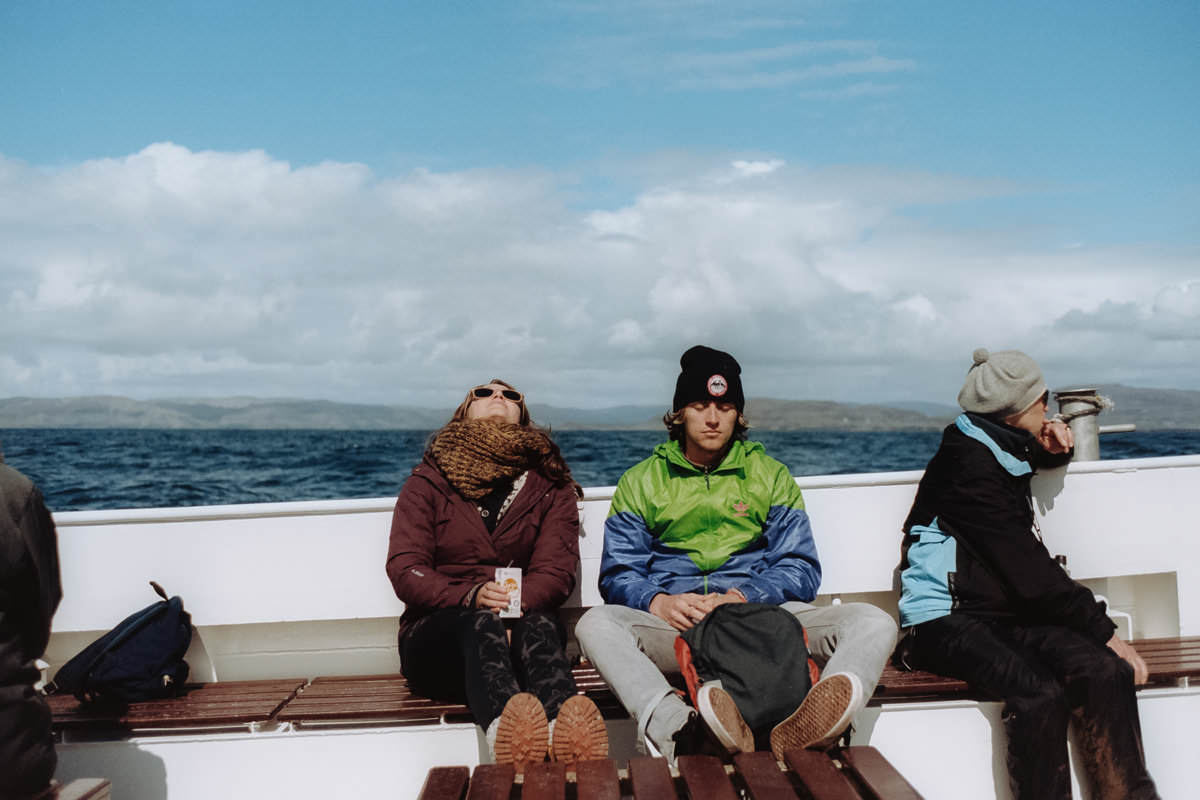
707	488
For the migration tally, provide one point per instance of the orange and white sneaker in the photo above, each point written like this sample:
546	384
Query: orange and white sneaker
822	717
578	733
522	734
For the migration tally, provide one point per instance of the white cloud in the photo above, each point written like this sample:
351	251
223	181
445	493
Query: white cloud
172	272
1182	300
725	47
765	55
752	168
1170	315
627	334
739	79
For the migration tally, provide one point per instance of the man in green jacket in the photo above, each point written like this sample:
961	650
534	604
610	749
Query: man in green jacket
710	519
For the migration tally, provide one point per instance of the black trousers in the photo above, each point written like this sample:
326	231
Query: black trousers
27	757
1047	675
464	655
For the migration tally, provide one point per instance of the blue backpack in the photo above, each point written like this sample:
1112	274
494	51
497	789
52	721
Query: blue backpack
140	659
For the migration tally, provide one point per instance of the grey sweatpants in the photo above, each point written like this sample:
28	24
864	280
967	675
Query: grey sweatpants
635	650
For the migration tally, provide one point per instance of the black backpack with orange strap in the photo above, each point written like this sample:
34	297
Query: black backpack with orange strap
759	653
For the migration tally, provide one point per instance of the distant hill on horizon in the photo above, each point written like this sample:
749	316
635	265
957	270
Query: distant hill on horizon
1149	409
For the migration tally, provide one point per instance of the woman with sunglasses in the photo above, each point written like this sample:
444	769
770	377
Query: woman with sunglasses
493	491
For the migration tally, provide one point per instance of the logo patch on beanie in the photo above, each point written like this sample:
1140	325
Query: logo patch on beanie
717	385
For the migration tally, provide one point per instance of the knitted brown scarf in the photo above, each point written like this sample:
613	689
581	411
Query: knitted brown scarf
478	456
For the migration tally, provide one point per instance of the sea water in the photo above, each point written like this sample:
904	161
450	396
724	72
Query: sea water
117	468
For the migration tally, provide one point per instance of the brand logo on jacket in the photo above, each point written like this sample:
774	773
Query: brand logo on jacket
740	509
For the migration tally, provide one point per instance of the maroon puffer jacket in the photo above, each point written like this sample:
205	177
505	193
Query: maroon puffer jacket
439	547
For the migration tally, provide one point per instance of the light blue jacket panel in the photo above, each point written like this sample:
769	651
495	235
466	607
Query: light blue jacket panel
932	559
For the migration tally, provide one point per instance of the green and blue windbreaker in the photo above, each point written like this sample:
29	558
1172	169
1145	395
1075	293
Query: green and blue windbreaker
676	528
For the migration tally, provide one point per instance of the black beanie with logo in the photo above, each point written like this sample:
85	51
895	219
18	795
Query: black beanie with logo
708	374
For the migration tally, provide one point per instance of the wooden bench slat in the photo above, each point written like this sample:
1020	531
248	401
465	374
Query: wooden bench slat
1167	641
1173	673
445	783
650	779
705	778
545	781
1161	648
319	704
1190	653
365	712
763	779
397	684
877	776
1191	660
201	705
820	776
382	676
597	780
491	782
241	687
896	682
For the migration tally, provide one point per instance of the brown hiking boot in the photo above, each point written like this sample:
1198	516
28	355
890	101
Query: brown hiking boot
821	718
579	732
522	733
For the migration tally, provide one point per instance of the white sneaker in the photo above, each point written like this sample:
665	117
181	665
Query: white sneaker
822	717
721	715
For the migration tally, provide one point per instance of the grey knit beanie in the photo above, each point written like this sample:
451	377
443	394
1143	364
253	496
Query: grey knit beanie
1001	384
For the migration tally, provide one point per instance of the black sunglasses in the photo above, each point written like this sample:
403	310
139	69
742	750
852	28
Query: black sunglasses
481	392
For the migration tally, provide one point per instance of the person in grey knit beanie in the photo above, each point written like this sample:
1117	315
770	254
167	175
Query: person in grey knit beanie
1001	384
982	599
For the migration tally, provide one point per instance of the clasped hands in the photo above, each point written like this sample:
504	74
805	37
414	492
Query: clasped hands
682	611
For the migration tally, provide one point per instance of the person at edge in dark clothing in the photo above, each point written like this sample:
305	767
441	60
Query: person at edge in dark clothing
493	491
982	599
30	590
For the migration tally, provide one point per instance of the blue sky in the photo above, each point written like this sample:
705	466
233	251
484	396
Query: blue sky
930	176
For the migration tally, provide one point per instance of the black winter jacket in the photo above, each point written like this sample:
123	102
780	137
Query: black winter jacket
970	547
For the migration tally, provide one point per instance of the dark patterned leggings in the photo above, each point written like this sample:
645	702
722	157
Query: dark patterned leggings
464	655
